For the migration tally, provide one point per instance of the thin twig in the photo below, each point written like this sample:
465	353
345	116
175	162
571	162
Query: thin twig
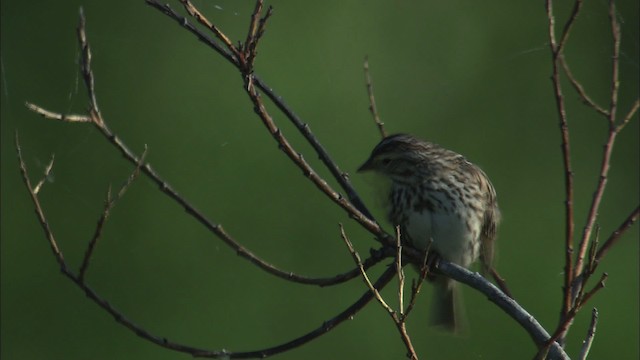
372	100
399	271
108	206
580	89
39	212
45	176
365	277
591	333
563	327
193	11
398	320
617	233
253	28
556	53
307	170
416	286
58	116
577	6
589	294
500	281
608	147
85	66
256	30
630	114
592	264
615	63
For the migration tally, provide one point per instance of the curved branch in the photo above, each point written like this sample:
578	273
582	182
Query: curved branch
539	335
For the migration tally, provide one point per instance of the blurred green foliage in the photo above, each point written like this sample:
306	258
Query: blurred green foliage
472	76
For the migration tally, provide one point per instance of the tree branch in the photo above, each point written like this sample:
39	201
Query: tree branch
528	322
341	177
556	54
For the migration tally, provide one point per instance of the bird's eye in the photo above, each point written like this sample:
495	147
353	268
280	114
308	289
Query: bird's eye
386	161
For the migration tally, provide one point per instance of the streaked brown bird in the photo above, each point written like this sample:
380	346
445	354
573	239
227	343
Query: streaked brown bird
439	197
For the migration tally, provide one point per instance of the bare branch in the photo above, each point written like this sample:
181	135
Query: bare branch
591	333
243	58
108	205
398	320
416	286
630	114
500	281
365	277
608	147
580	89
372	99
537	333
577	5
45	176
616	234
400	272
34	198
58	116
556	53
164	342
307	170
575	275
326	326
587	296
341	177
87	73
217	229
615	64
591	267
193	11
256	30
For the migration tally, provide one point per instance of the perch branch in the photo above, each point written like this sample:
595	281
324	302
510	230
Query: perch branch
537	333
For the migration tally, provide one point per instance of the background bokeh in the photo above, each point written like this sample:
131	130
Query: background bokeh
473	77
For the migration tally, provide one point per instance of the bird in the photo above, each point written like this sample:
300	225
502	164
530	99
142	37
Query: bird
441	202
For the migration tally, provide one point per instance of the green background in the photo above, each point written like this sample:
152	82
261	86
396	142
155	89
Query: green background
472	76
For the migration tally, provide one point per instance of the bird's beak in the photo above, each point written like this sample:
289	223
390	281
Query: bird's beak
368	165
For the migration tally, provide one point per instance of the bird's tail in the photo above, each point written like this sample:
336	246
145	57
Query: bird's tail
446	307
